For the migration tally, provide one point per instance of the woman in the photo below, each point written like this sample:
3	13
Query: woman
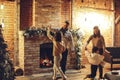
97	41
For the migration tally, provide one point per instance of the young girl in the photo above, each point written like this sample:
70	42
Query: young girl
58	48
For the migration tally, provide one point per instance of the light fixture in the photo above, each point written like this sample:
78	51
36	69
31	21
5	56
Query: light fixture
1	6
2	19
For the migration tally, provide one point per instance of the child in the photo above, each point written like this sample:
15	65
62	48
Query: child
58	48
94	59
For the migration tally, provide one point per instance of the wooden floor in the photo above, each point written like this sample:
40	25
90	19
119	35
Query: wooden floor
71	74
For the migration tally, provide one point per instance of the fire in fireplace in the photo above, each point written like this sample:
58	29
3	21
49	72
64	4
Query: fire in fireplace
46	58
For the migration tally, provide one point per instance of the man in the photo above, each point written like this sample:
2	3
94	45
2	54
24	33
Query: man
68	43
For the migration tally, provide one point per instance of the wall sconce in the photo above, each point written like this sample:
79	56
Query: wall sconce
2	19
1	6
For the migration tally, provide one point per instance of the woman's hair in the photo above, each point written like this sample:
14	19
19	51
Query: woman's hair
98	34
58	36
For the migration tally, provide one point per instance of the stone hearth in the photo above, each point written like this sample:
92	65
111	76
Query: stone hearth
32	56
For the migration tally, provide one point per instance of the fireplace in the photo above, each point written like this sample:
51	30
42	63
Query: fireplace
38	56
46	58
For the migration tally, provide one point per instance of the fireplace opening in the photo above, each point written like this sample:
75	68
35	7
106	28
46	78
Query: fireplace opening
46	58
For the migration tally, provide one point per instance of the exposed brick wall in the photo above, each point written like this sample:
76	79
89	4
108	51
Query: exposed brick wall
66	11
9	16
47	12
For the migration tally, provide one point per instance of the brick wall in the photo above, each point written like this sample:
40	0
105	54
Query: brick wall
66	11
47	12
9	16
53	12
38	13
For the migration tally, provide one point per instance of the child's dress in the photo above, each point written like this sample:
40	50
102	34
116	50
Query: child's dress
94	58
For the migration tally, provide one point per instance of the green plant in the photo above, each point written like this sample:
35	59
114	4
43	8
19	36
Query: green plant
78	37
